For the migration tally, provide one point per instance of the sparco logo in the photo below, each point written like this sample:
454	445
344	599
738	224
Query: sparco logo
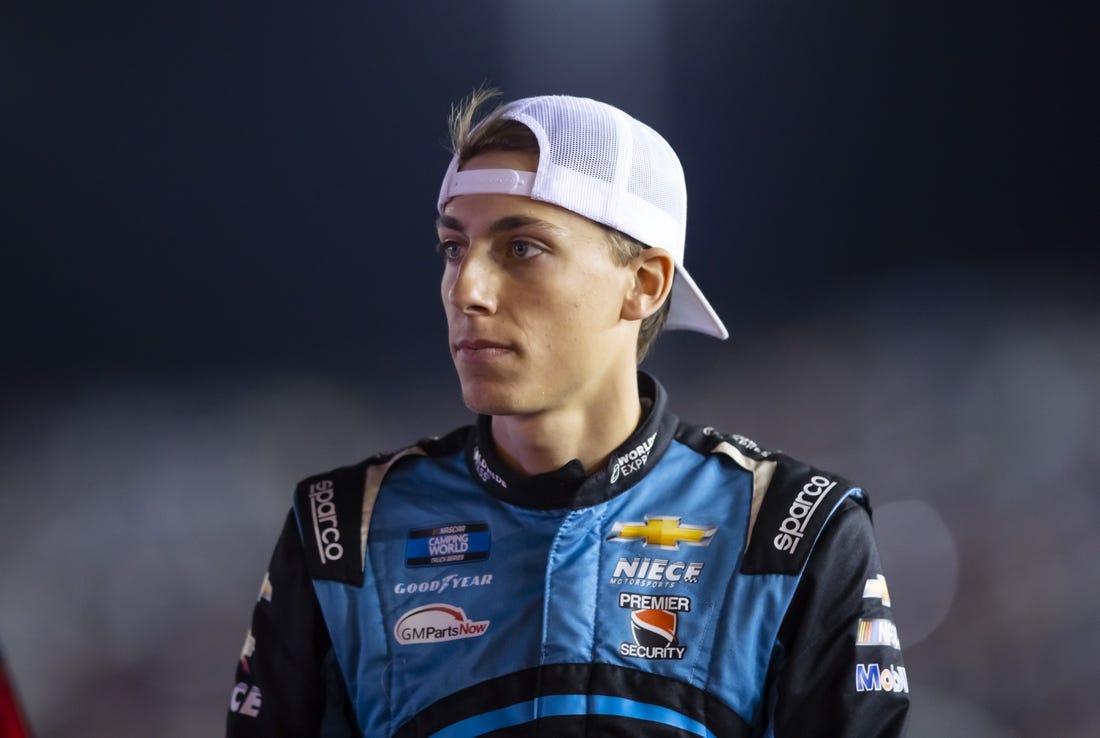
484	471
633	460
437	623
325	529
802	509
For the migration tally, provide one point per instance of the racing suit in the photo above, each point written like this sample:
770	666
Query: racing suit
696	586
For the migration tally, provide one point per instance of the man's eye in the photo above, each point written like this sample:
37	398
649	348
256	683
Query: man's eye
449	250
524	249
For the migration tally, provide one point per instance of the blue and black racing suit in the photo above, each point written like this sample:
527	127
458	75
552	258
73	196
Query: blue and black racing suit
696	586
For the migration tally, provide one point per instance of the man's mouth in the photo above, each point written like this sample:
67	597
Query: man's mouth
480	349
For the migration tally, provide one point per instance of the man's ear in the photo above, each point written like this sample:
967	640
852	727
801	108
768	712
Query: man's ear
653	271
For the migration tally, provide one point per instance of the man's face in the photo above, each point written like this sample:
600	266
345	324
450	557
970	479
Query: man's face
533	300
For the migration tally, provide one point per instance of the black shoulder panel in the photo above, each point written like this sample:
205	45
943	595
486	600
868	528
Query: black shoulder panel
791	500
446	445
330	513
794	509
705	439
329	508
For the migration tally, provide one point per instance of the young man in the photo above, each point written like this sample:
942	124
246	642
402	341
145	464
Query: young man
578	562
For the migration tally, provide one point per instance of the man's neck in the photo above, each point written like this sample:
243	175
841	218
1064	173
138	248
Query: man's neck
545	441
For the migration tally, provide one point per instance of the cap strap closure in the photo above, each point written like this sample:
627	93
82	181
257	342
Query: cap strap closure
489	182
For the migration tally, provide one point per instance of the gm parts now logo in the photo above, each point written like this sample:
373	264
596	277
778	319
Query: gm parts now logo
325	529
802	509
663	531
653	621
437	623
876	678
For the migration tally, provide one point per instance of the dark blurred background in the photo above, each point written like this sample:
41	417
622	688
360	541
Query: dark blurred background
219	277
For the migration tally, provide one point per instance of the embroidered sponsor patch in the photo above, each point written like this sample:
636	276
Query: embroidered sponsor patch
326	527
485	473
877	678
265	588
653	623
247	650
633	460
793	527
448	582
875	589
329	511
663	531
655	573
454	543
245	699
437	623
877	632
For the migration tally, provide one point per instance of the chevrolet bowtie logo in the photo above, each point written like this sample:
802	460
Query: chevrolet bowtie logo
664	531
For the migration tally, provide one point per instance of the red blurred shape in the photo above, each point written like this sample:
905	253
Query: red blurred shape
12	722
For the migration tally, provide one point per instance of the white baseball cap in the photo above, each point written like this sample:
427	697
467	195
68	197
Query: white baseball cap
597	161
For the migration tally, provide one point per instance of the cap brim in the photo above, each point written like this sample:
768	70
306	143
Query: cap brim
690	311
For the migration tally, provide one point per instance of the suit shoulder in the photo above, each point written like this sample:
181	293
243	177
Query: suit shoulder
792	500
333	508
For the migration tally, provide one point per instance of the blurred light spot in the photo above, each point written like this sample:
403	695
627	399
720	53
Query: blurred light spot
921	562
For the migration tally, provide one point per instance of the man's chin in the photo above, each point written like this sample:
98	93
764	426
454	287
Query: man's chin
491	398
483	405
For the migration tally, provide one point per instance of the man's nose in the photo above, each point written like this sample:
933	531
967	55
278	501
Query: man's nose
474	283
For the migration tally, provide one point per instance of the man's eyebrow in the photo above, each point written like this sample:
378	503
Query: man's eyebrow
507	223
449	222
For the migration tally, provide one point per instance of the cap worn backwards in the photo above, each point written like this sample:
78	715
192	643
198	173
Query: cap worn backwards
597	161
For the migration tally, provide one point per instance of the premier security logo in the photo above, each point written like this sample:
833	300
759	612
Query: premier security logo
437	623
653	622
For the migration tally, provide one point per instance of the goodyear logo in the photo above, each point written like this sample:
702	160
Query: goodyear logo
663	531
